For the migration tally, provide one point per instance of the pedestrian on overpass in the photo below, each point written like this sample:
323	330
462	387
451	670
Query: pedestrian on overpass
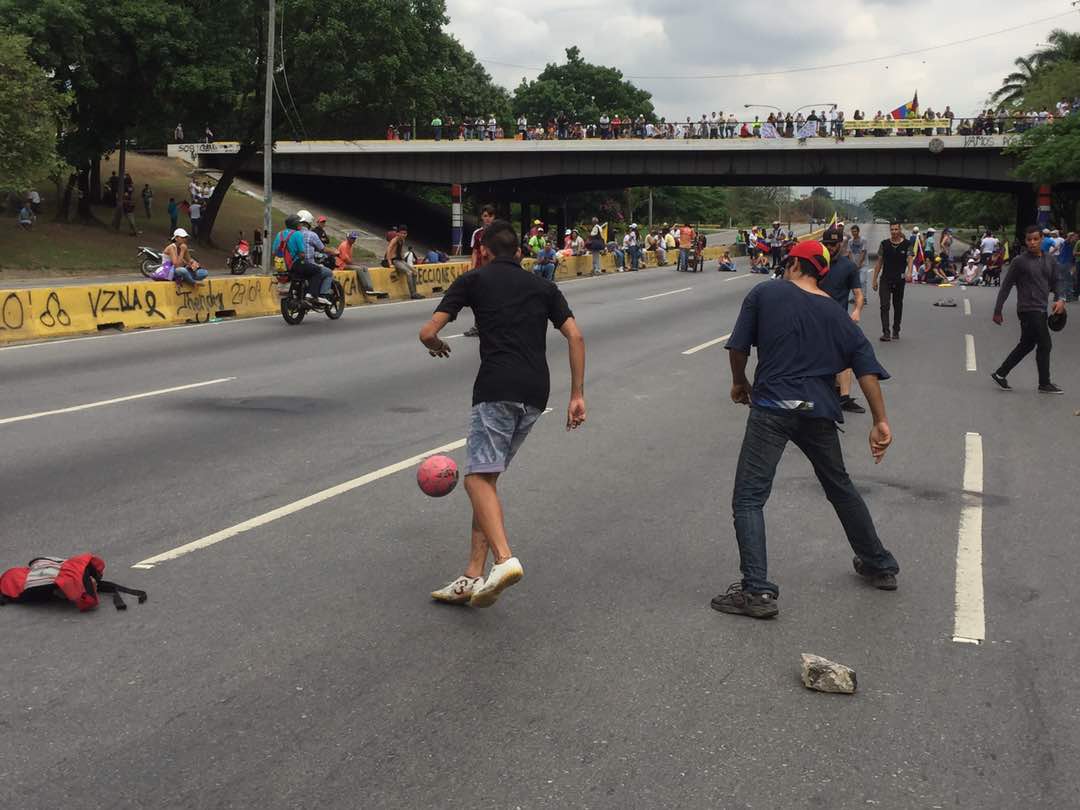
803	340
1035	276
894	269
513	308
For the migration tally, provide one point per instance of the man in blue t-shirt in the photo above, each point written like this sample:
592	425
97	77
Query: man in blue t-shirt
803	340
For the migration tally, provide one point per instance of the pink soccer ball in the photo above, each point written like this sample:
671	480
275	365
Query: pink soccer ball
437	476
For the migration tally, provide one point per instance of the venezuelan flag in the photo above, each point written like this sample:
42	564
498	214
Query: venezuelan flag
909	110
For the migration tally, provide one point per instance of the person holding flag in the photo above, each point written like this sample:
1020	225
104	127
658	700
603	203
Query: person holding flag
908	110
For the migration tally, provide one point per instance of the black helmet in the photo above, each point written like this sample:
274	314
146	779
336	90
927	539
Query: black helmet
1057	322
292	222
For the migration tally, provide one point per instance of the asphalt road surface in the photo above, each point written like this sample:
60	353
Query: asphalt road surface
297	661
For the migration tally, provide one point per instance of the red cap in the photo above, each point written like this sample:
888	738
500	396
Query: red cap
321	219
815	253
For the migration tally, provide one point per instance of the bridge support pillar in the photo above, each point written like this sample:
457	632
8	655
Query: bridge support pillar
456	220
1026	210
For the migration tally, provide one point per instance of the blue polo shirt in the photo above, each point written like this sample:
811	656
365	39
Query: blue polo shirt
803	341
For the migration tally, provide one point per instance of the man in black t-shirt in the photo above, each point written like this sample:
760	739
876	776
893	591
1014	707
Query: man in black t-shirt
842	281
512	308
802	342
894	258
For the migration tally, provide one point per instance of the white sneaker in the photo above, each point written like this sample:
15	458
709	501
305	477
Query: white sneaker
326	302
458	591
499	578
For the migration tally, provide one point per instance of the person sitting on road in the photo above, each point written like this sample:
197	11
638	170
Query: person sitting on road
177	263
345	262
320	277
395	257
546	260
727	264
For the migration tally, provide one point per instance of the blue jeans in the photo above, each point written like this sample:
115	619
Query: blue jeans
188	276
684	259
545	271
319	278
635	257
767	434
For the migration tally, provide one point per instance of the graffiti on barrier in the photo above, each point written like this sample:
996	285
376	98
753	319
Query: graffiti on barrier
54	313
197	306
12	314
983	141
440	274
241	292
123	299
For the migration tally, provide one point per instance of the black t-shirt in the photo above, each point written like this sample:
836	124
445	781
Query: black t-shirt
842	278
512	308
894	259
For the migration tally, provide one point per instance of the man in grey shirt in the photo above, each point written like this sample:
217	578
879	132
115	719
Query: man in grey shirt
1035	277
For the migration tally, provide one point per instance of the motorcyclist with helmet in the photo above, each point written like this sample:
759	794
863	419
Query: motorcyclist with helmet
320	277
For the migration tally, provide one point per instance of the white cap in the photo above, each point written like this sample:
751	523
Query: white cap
915	229
179	232
633	226
930	230
568	232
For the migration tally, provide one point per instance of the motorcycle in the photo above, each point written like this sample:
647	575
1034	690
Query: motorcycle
149	261
292	287
240	261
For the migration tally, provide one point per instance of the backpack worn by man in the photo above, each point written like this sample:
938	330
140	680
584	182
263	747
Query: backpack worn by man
77	579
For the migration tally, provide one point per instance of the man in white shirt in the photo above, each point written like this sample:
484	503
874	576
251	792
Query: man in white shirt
196	216
987	247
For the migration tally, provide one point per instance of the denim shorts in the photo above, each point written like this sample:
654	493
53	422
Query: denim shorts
496	432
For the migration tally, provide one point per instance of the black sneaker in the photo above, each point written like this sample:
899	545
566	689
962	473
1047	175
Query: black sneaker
736	600
851	406
885	338
883	582
472	331
895	335
1050	388
1001	381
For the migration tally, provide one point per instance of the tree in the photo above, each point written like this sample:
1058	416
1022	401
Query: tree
582	91
1051	84
108	56
29	115
1049	154
1016	83
897	204
821	192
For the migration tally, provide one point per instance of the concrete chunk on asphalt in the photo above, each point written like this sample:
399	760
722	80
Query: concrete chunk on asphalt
827	676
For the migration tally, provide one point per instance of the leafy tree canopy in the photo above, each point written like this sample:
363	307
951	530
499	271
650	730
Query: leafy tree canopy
582	91
1050	154
29	112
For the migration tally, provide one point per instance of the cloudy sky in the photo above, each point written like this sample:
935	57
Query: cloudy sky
682	39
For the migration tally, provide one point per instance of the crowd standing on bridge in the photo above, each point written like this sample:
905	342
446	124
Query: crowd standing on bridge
825	122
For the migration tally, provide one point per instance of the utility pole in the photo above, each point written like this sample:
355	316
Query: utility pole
650	209
268	144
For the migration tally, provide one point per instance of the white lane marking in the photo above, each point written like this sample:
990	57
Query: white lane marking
295	506
967	306
741	278
451	337
707	344
969	351
669	292
105	402
969	625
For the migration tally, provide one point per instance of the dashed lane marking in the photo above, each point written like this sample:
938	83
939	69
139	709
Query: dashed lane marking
967	306
969	624
25	417
969	351
669	292
707	344
295	506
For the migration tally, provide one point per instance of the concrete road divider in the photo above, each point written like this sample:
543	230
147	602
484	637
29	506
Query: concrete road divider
50	312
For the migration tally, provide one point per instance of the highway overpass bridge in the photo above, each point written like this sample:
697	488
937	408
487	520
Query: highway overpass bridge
541	171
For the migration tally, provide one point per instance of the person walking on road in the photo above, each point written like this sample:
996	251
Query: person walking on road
147	198
1035	277
857	252
513	307
596	245
894	269
487	216
803	340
